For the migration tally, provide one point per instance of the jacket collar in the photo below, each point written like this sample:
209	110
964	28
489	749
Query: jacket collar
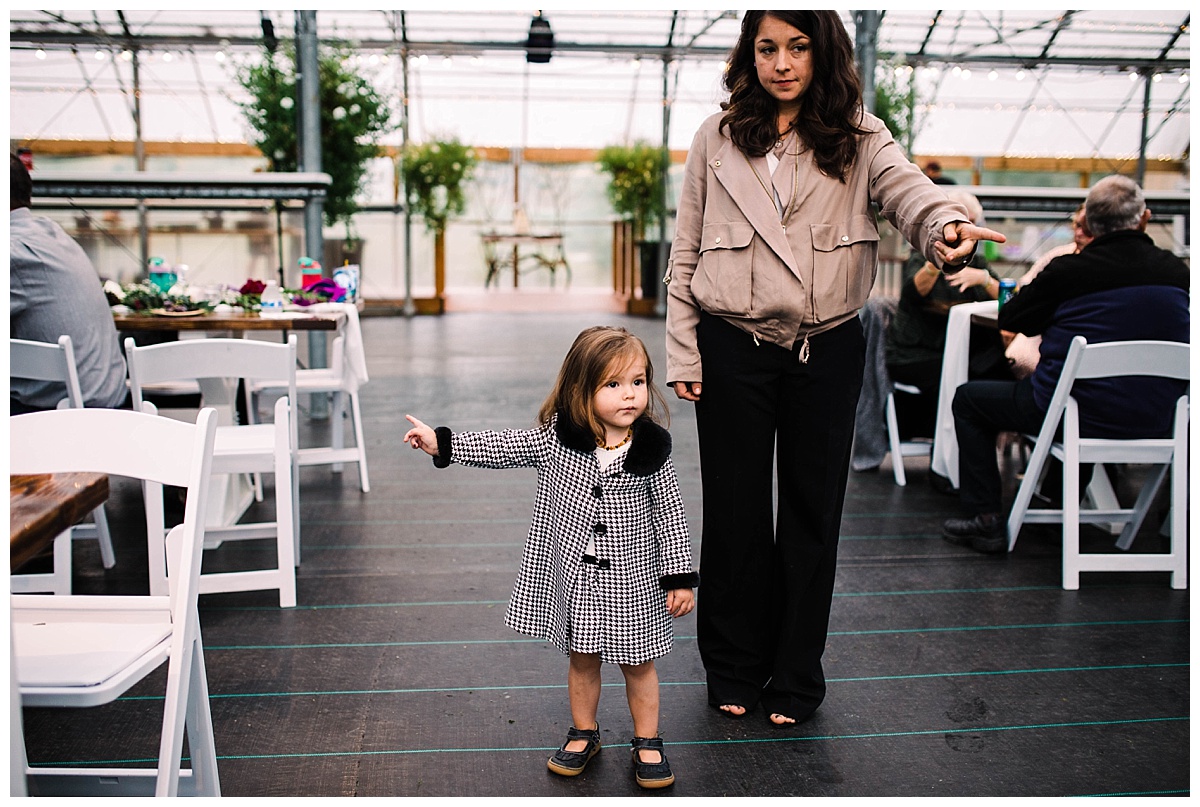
736	173
650	448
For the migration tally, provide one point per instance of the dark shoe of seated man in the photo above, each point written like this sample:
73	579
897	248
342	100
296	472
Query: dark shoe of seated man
987	533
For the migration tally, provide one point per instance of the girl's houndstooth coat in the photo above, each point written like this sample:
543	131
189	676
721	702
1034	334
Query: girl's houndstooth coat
634	513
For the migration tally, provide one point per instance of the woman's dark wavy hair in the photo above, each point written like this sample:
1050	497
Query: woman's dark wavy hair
831	108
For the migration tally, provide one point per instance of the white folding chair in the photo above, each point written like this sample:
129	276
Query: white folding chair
43	361
339	381
218	364
1107	360
80	651
898	448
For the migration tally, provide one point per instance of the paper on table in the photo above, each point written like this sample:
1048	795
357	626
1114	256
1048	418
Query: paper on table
285	315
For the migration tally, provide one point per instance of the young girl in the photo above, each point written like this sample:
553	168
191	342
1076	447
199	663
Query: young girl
607	562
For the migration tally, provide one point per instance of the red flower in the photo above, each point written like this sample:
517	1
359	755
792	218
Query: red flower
252	287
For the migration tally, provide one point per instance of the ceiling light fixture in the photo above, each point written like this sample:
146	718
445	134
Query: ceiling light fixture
540	44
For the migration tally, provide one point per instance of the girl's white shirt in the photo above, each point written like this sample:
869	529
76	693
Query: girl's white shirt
605	457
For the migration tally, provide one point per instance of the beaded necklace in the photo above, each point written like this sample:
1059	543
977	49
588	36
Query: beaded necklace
628	437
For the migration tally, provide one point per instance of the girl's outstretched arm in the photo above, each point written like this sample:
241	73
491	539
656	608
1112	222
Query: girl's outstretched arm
421	436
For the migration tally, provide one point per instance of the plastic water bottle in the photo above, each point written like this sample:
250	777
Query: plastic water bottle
272	298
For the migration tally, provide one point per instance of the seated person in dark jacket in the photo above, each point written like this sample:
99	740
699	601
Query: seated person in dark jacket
1118	287
916	337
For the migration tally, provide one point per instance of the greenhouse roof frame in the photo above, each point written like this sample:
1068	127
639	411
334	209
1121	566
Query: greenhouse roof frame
1092	45
1024	38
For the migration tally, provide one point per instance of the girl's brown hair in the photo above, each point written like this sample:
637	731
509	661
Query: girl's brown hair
830	109
598	354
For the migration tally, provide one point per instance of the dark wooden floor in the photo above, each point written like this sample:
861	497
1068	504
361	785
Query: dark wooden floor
950	673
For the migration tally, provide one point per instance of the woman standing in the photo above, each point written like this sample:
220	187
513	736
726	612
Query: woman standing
773	256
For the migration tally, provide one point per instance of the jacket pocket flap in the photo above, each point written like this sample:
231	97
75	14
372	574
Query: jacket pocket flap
828	237
726	235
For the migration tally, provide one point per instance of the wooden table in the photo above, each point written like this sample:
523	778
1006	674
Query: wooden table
547	254
294	321
43	505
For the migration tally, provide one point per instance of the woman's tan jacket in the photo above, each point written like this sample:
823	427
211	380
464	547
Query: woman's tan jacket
781	279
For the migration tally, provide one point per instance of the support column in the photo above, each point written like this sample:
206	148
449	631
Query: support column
866	32
308	90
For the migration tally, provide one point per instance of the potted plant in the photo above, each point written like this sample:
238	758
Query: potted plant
354	114
635	190
435	177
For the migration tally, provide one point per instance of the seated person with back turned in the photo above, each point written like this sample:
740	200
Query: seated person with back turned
1119	287
1021	350
916	338
54	290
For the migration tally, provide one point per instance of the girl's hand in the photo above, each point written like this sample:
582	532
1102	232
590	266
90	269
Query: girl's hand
421	436
680	602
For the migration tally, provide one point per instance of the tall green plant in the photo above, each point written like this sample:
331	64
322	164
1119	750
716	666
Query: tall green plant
635	185
436	174
353	116
895	99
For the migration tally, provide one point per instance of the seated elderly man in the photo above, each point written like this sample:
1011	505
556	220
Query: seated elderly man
1120	286
1021	350
54	290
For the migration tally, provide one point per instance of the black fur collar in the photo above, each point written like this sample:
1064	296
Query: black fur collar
650	448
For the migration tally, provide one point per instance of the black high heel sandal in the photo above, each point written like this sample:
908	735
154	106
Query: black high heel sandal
651	774
572	763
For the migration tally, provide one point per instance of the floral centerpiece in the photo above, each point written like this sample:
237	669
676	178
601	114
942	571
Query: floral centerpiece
145	297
